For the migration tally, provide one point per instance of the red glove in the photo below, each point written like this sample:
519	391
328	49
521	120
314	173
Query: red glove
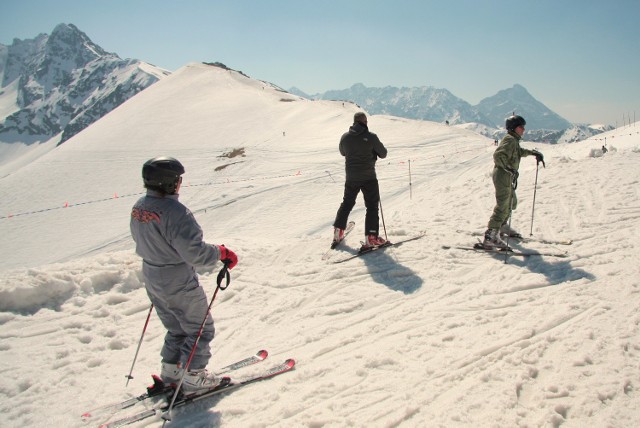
228	256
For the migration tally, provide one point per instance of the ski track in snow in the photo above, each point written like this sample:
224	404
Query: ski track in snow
407	336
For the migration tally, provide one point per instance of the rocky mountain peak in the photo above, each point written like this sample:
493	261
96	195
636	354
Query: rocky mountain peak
68	44
62	83
518	100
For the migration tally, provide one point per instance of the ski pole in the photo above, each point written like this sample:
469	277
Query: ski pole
221	275
535	188
410	188
514	185
384	227
144	329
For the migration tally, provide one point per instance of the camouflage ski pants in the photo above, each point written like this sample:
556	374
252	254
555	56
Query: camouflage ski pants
505	194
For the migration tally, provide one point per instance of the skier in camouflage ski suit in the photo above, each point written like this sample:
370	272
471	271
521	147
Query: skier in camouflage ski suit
506	160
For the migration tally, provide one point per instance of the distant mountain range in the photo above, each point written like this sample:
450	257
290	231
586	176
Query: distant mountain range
440	105
54	86
58	85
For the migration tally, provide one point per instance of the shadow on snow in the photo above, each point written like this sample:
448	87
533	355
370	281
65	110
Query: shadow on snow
556	271
387	271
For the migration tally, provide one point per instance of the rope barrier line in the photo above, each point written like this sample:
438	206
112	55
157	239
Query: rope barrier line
383	164
116	196
610	136
298	173
67	205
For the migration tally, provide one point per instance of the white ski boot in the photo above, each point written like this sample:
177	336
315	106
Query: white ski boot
171	373
199	380
506	230
493	241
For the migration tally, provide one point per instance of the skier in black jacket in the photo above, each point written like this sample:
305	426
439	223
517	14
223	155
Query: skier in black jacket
361	149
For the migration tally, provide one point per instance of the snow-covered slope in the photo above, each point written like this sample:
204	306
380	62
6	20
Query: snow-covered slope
411	336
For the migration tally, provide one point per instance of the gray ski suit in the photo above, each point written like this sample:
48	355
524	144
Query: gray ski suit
170	242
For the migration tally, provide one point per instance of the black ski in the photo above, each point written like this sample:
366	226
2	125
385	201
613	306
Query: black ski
511	252
183	401
347	231
381	247
334	244
525	240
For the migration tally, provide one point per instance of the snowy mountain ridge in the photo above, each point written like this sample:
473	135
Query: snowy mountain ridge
440	105
54	86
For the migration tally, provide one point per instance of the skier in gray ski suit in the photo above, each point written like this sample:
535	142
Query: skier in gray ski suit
170	242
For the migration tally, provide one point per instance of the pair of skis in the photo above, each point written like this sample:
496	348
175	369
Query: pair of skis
162	393
388	244
478	247
524	240
363	250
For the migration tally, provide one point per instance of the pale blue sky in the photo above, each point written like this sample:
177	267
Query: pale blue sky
580	58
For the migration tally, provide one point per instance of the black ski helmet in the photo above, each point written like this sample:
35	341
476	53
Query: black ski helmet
162	174
514	121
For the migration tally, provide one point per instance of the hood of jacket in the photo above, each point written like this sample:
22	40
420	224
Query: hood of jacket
358	128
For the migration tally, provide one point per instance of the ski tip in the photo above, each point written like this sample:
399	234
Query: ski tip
262	354
290	363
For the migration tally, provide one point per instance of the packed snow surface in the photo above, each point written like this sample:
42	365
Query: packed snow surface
411	336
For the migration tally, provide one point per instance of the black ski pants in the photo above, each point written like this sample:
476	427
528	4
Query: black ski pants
371	194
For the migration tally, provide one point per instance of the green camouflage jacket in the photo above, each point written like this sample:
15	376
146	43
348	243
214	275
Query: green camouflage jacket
507	155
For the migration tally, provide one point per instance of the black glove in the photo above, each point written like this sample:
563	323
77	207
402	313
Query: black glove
539	157
514	177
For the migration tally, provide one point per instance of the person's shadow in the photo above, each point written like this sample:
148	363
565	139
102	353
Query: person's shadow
385	270
556	270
